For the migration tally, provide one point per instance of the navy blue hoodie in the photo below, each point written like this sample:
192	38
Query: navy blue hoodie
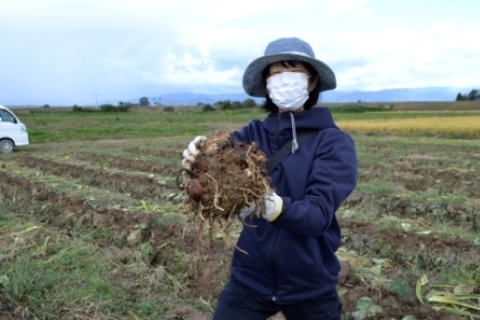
293	259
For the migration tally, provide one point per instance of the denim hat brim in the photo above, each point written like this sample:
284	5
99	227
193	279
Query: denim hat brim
253	82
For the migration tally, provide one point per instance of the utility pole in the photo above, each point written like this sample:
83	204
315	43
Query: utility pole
96	104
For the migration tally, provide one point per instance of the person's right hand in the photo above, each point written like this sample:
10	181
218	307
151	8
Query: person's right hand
273	207
192	150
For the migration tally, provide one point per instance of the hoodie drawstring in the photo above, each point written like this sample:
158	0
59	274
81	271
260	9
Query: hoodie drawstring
294	141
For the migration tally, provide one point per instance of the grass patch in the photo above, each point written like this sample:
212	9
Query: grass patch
97	126
75	278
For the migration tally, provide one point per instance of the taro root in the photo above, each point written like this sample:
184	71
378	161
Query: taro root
194	189
215	141
260	159
226	176
200	163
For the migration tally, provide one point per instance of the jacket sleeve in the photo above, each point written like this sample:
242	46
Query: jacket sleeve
243	134
333	177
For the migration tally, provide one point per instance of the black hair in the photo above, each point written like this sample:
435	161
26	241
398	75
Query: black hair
313	96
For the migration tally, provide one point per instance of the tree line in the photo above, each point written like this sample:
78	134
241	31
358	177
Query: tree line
223	105
471	96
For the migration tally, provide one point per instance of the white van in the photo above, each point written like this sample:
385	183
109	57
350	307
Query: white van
13	133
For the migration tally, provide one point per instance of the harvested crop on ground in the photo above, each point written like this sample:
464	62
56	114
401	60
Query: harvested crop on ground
226	176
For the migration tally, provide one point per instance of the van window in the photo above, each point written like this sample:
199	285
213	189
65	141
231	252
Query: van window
6	116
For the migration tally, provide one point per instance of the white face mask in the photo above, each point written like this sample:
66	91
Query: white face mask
288	90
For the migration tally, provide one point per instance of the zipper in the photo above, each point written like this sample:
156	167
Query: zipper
274	251
276	131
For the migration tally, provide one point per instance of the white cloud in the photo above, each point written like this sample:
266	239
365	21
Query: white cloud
338	6
119	48
402	57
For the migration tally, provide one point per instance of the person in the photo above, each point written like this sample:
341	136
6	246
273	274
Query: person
291	264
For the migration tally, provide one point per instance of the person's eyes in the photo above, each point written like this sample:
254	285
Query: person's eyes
281	71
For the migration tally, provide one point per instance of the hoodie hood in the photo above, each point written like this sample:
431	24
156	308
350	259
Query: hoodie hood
279	125
318	118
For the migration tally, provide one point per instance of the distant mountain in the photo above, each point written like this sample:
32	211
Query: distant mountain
388	95
394	95
188	98
192	99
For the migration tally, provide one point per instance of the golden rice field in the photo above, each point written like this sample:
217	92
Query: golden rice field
463	127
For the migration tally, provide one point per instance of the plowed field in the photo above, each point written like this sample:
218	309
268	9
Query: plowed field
100	233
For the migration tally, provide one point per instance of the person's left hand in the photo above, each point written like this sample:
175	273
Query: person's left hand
191	151
273	207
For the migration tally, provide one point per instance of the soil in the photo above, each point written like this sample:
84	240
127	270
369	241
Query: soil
139	186
204	271
168	153
9	311
428	213
128	164
405	249
131	229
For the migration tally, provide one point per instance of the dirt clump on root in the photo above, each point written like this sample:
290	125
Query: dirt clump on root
226	176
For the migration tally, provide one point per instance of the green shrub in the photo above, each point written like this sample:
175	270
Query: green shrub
168	109
207	108
225	105
144	102
352	108
76	108
249	103
126	104
108	108
123	108
112	108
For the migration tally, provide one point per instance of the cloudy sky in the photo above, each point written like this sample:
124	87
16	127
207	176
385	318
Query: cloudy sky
73	50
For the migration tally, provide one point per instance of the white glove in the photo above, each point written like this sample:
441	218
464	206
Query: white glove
273	207
246	211
192	150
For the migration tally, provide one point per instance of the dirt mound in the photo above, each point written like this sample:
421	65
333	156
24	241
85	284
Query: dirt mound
8	311
429	252
139	186
127	164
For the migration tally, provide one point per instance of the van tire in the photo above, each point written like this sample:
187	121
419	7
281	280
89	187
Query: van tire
6	146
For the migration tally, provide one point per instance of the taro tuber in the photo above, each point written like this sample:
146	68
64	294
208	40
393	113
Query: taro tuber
226	176
194	189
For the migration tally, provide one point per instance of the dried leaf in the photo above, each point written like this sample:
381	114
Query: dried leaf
418	288
463	289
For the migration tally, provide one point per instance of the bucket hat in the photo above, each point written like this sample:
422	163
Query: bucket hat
285	49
